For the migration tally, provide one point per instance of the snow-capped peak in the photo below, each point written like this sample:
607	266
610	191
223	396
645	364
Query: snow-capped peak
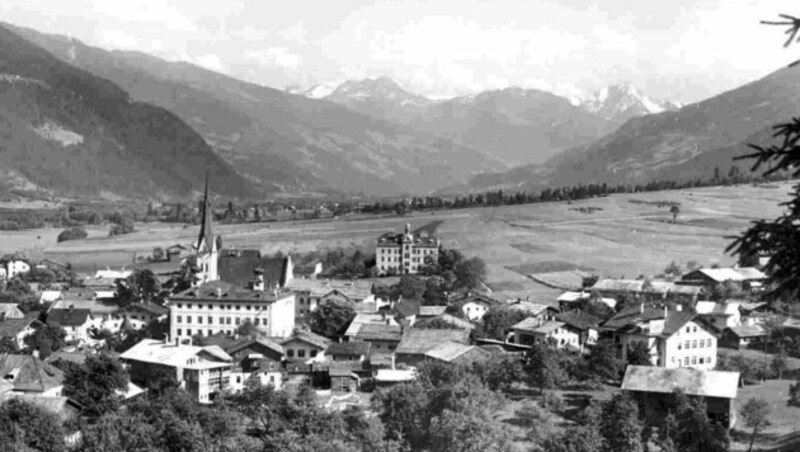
316	91
382	89
624	101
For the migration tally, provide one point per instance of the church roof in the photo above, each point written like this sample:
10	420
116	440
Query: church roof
205	241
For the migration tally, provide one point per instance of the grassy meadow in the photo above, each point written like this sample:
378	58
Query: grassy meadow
631	235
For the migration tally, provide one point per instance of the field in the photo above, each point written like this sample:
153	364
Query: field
627	238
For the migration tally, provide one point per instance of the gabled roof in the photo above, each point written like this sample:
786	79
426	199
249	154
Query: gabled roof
238	267
363	318
157	352
356	290
694	382
747	306
12	327
149	308
478	299
751	273
352	348
632	319
308	337
379	332
728	274
68	317
10	311
29	374
446	318
619	285
256	344
450	351
533	309
545	327
419	340
581	320
83	299
745	331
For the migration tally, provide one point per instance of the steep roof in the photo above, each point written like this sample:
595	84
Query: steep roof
205	240
238	267
349	348
308	337
695	382
149	308
68	317
632	319
224	291
12	327
29	374
10	311
257	343
581	320
83	299
419	341
533	309
716	308
716	274
750	273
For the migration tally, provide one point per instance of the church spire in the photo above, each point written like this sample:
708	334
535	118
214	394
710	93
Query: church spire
206	242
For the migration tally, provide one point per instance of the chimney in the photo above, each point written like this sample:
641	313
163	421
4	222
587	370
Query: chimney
258	284
393	362
665	312
219	292
641	308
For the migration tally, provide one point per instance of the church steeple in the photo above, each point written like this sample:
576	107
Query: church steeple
205	241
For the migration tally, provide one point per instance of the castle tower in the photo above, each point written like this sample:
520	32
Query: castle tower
207	250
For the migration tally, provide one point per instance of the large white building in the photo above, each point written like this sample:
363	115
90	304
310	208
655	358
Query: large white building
219	307
405	253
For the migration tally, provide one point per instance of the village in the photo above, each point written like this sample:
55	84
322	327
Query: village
214	321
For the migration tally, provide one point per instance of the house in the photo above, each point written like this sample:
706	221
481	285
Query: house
585	324
201	371
49	296
305	344
105	314
754	313
742	336
14	265
418	341
139	315
343	378
570	300
405	253
456	352
261	358
674	338
536	310
384	338
654	388
18	328
349	351
114	275
719	315
647	290
77	323
218	306
474	306
29	374
539	331
310	293
746	278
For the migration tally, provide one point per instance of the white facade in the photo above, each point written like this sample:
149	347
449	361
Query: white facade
405	253
690	346
474	311
16	267
271	314
239	379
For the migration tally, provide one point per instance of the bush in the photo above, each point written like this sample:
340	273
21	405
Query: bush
72	234
125	227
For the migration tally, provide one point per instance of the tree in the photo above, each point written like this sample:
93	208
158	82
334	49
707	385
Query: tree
125	226
75	233
410	287
8	345
692	430
498	320
620	426
755	414
639	355
46	339
331	318
673	269
499	372
778	238
603	360
780	363
543	367
95	384
470	273
26	427
675	210
471	430
144	285
794	395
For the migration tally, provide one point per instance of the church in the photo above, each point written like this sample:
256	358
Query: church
216	305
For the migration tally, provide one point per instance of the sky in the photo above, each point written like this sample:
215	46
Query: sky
682	50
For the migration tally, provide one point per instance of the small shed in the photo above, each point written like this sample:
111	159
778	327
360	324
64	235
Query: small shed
742	336
343	379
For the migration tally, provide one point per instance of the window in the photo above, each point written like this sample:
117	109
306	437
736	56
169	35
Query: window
237	320
709	343
189	306
256	321
686	361
702	343
180	306
313	353
688	330
301	353
180	319
701	360
200	319
180	333
688	344
290	353
694	360
210	320
248	307
694	329
679	346
694	344
188	319
188	331
708	360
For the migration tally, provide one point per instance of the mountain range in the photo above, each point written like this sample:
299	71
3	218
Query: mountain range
77	119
